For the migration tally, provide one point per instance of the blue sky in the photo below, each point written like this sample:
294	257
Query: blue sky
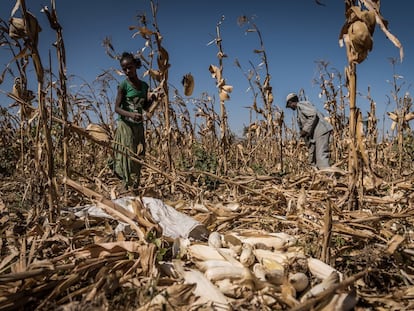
296	34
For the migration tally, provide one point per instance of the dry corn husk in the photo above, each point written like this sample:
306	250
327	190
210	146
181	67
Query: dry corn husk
320	269
393	126
98	132
19	30
342	302
227	88
393	116
188	83
229	207
230	288
215	73
155	74
289	294
327	283
163	59
19	90
360	41
357	33
206	291
167	268
409	116
224	95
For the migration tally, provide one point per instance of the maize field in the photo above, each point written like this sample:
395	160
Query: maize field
221	222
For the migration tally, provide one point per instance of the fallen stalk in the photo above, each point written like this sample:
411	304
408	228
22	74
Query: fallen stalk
309	304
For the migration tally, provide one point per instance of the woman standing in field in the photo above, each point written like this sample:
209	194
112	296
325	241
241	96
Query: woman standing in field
133	98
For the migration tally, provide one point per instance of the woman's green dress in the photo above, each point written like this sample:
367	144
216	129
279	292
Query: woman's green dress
129	140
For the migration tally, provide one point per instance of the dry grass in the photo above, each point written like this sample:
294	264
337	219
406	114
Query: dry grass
53	159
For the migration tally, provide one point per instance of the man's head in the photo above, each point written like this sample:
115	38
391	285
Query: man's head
291	101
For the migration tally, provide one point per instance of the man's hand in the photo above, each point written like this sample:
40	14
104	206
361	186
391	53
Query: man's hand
303	133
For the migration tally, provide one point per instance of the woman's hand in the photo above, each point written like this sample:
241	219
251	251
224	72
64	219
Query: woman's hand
136	116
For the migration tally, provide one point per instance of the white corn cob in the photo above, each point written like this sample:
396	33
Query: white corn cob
180	247
230	256
205	252
261	254
207	291
271	264
236	288
247	257
207	264
290	240
259	271
275	276
232	273
229	288
320	269
232	242
274	271
214	240
265	241
299	281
